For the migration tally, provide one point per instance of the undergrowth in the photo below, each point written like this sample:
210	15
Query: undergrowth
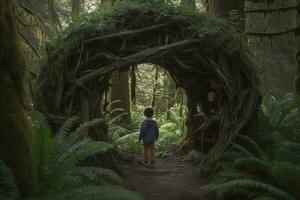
269	167
171	131
60	167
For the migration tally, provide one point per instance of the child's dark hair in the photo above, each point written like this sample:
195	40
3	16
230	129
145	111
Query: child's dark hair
149	112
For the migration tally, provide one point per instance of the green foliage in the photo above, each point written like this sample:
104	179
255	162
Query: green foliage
59	165
240	185
8	186
272	172
103	21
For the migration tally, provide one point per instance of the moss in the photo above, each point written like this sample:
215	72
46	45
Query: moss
15	137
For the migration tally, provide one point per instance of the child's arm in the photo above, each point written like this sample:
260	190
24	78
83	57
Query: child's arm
141	135
156	131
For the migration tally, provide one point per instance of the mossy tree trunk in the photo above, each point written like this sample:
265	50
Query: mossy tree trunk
155	87
16	133
222	8
119	97
270	28
76	7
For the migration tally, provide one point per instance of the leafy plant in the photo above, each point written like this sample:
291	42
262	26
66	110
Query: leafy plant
249	171
60	168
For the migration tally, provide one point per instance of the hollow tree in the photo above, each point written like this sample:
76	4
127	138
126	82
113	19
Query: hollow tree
15	137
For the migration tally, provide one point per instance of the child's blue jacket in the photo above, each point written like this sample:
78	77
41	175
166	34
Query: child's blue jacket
149	131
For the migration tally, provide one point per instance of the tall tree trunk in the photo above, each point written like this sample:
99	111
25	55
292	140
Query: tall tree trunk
153	99
109	2
297	78
133	85
120	92
222	8
190	3
171	98
270	29
54	19
16	133
76	7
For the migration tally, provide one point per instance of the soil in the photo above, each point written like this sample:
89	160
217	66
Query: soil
165	180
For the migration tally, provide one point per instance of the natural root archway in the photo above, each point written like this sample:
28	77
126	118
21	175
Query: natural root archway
196	49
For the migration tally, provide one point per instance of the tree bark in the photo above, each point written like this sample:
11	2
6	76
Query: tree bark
222	8
55	22
133	85
76	7
189	3
153	99
16	133
270	29
120	92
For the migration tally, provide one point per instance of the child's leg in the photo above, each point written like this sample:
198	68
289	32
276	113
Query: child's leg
152	152
146	152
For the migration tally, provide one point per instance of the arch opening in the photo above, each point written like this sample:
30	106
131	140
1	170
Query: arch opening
149	85
77	72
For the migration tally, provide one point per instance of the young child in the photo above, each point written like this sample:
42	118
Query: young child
149	134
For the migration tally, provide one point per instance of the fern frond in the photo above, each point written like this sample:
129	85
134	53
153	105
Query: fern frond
243	150
7	182
96	174
264	198
66	129
254	165
82	130
79	152
250	185
43	145
257	148
96	193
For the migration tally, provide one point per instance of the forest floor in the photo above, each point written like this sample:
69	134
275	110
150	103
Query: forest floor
166	180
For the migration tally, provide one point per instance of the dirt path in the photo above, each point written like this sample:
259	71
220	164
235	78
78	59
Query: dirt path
167	180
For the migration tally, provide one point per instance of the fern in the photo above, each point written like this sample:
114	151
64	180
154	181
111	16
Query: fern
66	129
77	153
243	150
250	185
82	130
256	147
96	193
264	198
43	145
96	174
8	186
254	166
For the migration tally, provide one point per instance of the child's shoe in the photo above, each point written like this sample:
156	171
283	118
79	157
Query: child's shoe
145	161
152	162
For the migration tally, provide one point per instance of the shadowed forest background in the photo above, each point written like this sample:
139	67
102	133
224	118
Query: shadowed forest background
222	76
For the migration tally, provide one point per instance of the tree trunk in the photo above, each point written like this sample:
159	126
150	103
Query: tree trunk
222	8
55	22
16	133
297	78
76	7
120	96
270	29
133	85
153	99
189	3
109	2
